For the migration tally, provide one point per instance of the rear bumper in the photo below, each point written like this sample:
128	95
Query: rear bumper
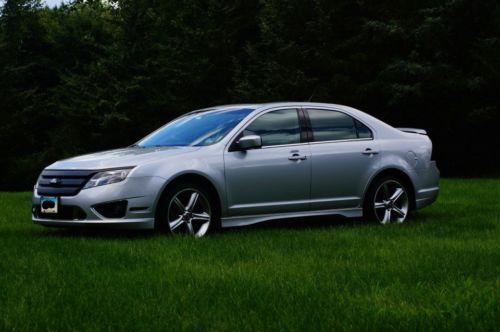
428	186
139	192
427	197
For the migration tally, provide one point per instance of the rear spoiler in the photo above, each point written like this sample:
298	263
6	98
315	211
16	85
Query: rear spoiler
413	130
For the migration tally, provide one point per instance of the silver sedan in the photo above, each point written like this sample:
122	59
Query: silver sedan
237	165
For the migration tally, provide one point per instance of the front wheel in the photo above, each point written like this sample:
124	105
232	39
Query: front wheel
387	201
187	209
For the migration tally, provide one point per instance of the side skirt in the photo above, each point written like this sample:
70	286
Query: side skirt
254	219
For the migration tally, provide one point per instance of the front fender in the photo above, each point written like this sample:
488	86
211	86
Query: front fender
207	163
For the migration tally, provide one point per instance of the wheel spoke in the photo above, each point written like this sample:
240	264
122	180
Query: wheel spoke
179	204
192	201
379	205
387	216
399	211
201	216
176	223
397	194
189	227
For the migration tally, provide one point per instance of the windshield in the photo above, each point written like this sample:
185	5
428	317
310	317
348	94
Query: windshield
196	129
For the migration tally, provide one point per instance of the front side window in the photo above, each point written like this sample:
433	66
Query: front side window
197	129
328	125
276	127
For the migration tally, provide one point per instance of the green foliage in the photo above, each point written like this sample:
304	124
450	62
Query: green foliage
439	271
92	75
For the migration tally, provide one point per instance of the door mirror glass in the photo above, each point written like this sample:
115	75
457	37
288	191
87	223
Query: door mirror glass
249	142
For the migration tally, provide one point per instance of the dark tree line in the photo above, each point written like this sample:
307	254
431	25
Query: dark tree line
93	75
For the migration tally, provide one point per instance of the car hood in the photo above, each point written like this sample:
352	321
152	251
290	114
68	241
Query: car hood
131	156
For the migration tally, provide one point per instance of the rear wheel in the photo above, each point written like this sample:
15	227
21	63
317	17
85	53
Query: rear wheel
387	201
187	209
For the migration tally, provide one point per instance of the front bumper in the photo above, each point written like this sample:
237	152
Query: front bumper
139	192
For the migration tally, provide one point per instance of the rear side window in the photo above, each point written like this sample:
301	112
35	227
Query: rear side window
328	125
331	125
276	127
363	131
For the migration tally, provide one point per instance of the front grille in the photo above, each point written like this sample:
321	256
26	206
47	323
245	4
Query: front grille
65	212
63	182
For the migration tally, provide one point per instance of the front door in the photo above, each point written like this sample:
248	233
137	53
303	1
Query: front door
272	179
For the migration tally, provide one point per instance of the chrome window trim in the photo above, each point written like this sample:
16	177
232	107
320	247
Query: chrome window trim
320	142
342	141
282	145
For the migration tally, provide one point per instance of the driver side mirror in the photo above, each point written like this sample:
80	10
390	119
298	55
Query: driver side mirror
249	142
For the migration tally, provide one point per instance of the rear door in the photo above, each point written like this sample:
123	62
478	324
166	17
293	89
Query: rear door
344	155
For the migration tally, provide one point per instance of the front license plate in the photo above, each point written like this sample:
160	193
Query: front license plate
49	204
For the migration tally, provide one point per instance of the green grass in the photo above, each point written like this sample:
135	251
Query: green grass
439	271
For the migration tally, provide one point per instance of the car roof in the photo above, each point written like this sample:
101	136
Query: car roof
255	106
263	106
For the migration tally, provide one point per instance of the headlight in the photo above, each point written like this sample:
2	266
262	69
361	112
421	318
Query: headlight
107	177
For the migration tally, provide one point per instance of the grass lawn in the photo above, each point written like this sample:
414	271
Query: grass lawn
439	271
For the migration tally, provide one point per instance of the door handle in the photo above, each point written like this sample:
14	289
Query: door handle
369	151
297	156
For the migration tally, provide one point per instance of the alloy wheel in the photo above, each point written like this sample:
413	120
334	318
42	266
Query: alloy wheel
391	202
189	213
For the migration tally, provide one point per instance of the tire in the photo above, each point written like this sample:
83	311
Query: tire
187	208
387	200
